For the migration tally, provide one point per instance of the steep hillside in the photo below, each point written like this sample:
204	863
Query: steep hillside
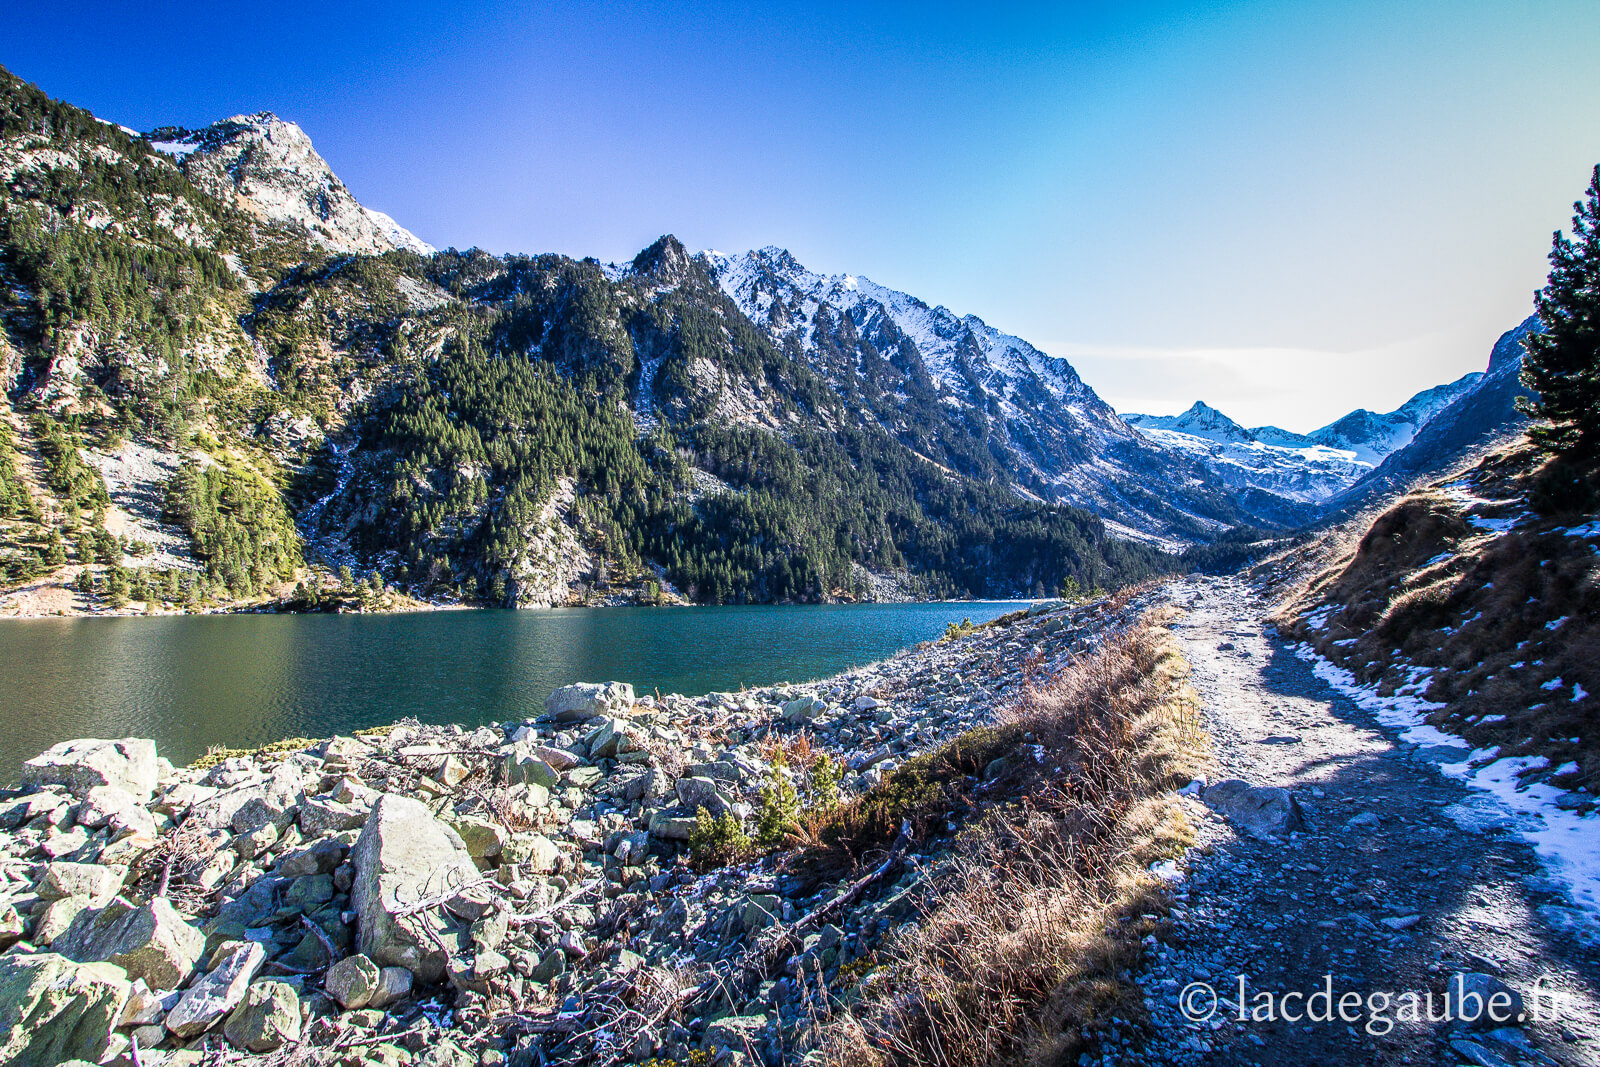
221	394
1477	418
981	402
1473	606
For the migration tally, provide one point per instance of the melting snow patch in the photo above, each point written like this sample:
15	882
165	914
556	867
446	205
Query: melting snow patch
1578	692
1553	684
176	149
1555	624
1568	844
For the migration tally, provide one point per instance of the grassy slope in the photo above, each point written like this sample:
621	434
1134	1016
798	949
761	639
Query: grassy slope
1461	594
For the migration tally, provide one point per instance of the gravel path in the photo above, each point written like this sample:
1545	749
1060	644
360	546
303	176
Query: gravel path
1381	889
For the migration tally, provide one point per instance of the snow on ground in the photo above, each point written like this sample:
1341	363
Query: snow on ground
1569	844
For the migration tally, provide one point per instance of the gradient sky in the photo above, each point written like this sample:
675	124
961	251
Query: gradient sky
1287	209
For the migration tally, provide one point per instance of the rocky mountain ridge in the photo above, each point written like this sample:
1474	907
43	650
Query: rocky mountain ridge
268	167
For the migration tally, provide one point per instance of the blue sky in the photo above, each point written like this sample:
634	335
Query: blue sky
1287	209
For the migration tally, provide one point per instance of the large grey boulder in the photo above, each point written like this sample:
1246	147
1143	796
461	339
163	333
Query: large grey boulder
53	1010
403	857
574	703
267	1018
152	942
218	993
1261	811
80	765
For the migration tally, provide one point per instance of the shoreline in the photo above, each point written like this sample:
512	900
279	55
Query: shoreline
425	609
567	820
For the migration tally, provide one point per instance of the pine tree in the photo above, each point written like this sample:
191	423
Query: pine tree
1563	362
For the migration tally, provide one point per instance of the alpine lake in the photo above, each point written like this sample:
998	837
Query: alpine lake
191	682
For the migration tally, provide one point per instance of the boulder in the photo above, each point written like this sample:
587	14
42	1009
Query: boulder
484	839
672	824
56	1010
106	802
152	942
574	703
1260	811
610	739
697	793
394	985
803	709
100	884
321	816
267	1018
352	982
537	853
81	765
524	764
219	992
12	927
1482	1001
403	856
55	918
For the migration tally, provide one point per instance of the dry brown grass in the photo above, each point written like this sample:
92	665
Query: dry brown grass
1048	894
1496	621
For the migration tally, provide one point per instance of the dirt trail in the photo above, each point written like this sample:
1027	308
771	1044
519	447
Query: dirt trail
1381	889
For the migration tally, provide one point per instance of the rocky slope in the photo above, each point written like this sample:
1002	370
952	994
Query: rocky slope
1479	417
933	379
267	167
515	894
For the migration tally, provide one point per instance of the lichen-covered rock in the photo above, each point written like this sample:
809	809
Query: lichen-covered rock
352	982
100	884
152	942
403	857
79	766
394	985
267	1018
55	1010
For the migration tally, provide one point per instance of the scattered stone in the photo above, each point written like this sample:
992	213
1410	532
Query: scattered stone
352	982
217	993
266	1019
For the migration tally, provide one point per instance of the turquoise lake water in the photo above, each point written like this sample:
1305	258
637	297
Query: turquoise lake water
191	682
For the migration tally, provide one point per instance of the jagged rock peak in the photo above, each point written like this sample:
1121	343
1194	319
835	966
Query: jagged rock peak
268	166
666	260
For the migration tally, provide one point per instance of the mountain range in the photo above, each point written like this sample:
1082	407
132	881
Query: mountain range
226	376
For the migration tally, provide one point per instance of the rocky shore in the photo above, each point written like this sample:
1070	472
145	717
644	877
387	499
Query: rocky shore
516	894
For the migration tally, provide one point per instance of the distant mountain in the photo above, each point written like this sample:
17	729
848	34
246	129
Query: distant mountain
1201	420
1307	474
1308	468
982	402
1372	436
267	167
1476	417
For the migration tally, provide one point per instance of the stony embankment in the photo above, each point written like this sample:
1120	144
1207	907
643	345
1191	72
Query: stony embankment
513	894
